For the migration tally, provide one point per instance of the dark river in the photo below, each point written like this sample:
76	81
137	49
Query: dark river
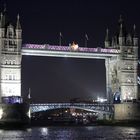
73	133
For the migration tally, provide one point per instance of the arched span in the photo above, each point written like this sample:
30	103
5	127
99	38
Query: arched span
117	97
97	108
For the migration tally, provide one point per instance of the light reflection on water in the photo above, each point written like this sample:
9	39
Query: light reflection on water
73	133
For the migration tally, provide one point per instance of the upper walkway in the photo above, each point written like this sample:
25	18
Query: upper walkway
68	51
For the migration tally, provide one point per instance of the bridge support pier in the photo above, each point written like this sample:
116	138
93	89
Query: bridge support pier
14	114
127	111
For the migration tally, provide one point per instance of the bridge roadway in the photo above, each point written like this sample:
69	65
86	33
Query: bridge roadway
97	108
67	51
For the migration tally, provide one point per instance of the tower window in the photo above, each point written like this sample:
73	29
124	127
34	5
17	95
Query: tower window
10	42
10	34
5	42
6	77
14	62
10	77
14	78
6	62
129	50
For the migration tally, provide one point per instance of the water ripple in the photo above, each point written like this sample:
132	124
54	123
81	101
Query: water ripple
73	133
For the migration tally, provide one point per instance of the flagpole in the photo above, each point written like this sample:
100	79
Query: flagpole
29	94
60	35
86	40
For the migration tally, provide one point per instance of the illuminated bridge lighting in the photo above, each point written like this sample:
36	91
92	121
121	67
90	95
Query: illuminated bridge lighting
99	108
68	48
63	51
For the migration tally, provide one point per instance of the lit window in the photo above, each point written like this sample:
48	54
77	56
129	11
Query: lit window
14	77
10	77
129	80
14	62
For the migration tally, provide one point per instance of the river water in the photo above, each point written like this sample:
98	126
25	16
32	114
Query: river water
72	133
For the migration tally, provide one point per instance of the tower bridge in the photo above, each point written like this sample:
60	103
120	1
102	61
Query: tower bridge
121	63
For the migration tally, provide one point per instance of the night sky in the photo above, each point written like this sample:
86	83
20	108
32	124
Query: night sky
61	79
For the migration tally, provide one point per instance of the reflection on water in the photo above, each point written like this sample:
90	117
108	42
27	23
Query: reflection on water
73	133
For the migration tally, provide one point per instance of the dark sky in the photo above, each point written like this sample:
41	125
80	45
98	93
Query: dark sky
60	79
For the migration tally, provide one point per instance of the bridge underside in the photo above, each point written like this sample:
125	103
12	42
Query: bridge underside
98	108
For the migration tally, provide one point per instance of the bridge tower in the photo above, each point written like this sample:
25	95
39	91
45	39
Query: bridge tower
121	72
12	107
10	54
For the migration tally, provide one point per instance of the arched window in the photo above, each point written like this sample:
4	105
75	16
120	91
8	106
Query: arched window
10	34
10	31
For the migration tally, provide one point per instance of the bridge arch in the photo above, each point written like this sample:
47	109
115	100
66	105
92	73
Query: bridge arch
97	108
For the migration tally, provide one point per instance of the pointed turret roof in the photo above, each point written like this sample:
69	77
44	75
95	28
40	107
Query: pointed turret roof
134	31
4	18
107	35
1	15
121	33
121	28
121	21
18	26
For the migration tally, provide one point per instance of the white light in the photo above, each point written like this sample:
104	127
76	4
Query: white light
124	97
44	131
1	112
29	113
74	114
101	100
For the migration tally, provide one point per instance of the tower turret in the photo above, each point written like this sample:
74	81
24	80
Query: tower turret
10	62
2	29
121	36
18	31
135	38
129	40
107	41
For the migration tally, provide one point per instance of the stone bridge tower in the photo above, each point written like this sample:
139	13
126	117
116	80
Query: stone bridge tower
10	57
121	72
12	107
